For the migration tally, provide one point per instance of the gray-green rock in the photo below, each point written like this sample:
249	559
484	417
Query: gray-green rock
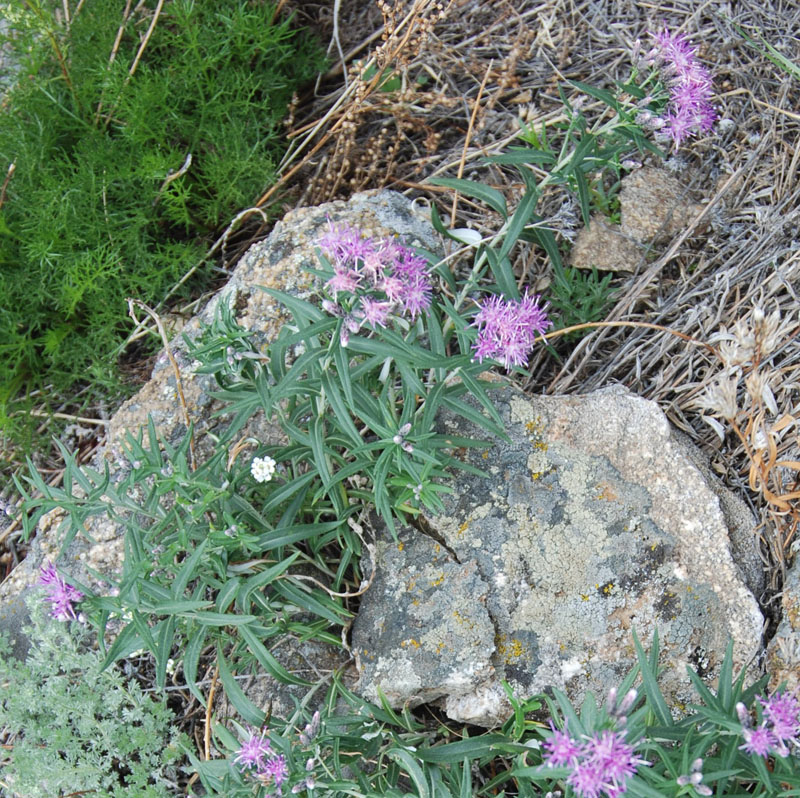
592	522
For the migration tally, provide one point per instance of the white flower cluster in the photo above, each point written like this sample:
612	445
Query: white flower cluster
262	469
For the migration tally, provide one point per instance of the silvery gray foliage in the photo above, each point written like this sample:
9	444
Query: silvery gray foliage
70	727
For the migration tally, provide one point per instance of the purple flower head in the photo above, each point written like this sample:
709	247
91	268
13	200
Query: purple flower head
561	748
586	779
759	741
345	245
599	766
60	594
782	712
343	280
275	770
254	751
614	758
690	111
375	312
416	294
507	328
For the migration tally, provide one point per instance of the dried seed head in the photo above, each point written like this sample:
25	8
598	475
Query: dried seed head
720	397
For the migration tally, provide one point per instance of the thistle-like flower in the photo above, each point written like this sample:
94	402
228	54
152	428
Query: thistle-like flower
380	278
508	328
60	594
690	111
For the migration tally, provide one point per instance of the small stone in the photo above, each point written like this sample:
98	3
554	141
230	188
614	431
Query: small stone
603	246
654	206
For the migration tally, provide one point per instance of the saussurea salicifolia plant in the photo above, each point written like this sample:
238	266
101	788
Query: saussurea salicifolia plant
69	726
357	379
258	542
667	96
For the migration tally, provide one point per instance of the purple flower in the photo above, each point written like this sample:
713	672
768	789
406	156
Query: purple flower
759	741
416	294
586	779
375	312
690	111
561	748
343	280
601	765
276	769
60	594
782	711
364	265
507	329
254	751
613	756
345	245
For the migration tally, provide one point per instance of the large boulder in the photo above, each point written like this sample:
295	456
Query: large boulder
282	261
592	522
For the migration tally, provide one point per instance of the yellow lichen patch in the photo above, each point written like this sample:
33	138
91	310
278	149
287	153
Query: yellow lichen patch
438	581
439	647
409	642
400	546
412	583
463	528
485	455
437	548
535	426
509	651
584	596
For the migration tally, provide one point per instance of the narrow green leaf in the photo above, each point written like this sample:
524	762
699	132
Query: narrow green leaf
228	593
468	748
165	638
318	449
599	94
522	215
523	155
126	642
655	699
490	196
267	661
175	607
188	570
191	660
243	705
316	604
340	411
303	312
220	618
410	766
503	273
265	577
583	194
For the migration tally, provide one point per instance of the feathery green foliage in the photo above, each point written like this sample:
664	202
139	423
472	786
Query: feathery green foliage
99	207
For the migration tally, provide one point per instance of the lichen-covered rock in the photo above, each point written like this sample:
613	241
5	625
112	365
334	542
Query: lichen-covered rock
592	522
425	632
282	261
